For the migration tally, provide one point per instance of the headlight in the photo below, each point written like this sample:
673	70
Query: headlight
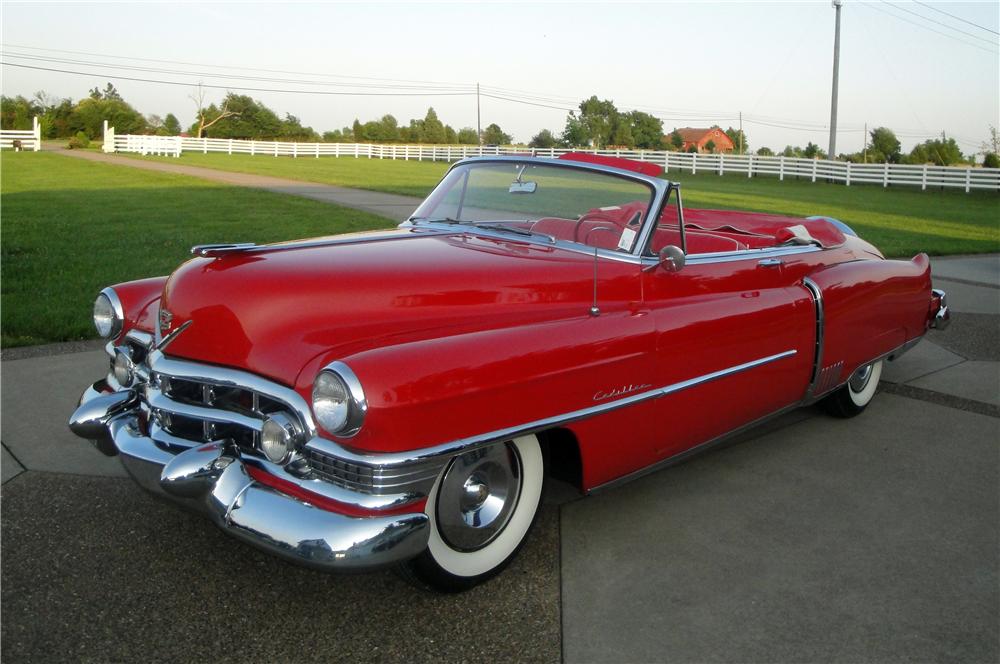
124	367
338	400
277	437
108	315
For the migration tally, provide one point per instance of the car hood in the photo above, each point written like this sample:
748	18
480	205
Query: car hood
273	309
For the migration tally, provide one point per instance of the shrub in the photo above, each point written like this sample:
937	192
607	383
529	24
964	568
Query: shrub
79	141
991	160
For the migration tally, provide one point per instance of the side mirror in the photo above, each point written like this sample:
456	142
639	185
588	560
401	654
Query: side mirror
672	259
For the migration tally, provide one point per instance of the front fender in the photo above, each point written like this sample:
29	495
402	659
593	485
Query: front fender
439	390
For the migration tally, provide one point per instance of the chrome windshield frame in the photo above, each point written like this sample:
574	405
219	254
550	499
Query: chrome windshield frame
660	187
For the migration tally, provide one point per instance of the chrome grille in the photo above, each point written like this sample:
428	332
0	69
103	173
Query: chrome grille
416	477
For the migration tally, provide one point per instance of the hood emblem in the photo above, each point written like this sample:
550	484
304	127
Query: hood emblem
166	319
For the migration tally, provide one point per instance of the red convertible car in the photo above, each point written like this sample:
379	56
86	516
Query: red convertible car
398	398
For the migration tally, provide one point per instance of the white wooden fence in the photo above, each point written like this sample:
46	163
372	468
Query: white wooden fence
30	139
923	176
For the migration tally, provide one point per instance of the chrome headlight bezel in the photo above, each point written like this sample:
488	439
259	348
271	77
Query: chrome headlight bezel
279	435
345	414
109	316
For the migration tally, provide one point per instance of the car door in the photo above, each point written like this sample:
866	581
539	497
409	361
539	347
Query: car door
735	342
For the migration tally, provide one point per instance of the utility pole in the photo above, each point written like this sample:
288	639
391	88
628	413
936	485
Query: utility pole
832	152
479	130
866	142
741	132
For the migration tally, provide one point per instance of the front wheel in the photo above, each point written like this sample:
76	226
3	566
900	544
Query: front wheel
481	510
854	397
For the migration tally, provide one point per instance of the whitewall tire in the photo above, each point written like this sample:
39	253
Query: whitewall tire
854	397
481	509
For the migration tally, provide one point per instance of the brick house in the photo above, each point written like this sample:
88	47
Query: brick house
698	138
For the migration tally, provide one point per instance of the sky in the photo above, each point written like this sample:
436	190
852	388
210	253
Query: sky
905	65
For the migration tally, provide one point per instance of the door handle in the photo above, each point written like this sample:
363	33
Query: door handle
770	262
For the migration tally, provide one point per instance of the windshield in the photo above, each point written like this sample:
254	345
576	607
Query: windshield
550	202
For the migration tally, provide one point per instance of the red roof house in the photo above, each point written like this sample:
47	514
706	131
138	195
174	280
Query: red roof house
699	138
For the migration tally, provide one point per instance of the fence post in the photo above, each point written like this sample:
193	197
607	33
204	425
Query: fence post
848	174
317	150
275	148
36	128
749	166
781	167
295	150
923	178
694	163
178	146
204	145
253	147
885	174
814	170
722	162
968	178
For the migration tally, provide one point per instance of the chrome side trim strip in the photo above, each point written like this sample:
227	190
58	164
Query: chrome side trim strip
450	449
817	296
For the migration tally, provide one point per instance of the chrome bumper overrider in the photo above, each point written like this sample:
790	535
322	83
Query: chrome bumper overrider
942	319
213	479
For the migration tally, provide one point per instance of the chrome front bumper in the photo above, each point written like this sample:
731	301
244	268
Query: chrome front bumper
214	480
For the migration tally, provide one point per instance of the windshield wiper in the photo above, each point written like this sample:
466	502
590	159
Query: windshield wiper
438	220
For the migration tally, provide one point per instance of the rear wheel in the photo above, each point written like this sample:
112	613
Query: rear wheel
481	510
853	398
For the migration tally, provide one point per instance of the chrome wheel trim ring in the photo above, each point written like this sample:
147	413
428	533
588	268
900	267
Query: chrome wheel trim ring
859	380
477	496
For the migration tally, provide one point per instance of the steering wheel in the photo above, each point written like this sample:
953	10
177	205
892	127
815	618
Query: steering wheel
590	217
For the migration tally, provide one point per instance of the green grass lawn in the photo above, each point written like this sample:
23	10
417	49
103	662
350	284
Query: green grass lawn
901	221
71	227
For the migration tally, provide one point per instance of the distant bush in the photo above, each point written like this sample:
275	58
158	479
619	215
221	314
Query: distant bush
79	141
991	160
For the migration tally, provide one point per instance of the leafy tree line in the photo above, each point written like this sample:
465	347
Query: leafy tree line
595	123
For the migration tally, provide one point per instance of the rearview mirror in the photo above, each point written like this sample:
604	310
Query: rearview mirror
519	187
672	259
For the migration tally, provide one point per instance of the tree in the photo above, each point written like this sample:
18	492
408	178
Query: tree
450	137
89	115
467	136
543	139
109	93
598	118
884	146
210	116
991	160
676	140
494	135
991	146
710	146
575	133
621	134
433	128
18	112
739	139
940	151
646	130
171	125
811	151
358	131
765	152
154	123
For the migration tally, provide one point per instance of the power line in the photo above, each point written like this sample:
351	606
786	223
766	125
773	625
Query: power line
991	42
245	89
925	27
175	72
234	67
958	18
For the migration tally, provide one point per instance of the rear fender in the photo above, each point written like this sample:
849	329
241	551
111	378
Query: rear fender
869	309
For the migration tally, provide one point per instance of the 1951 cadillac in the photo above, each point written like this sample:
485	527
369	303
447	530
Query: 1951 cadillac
398	398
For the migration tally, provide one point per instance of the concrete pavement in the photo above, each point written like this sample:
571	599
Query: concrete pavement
813	539
391	206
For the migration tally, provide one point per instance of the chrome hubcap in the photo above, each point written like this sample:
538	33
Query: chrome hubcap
860	378
477	496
